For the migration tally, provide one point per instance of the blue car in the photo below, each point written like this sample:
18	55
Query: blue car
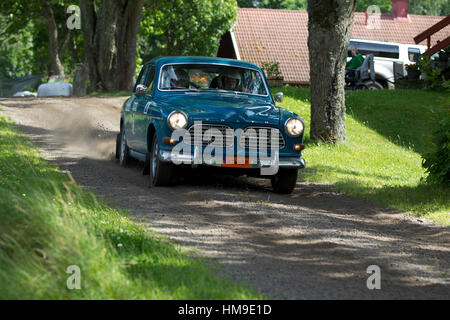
198	111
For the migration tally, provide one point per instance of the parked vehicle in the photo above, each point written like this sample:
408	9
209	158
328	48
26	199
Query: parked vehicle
385	54
195	111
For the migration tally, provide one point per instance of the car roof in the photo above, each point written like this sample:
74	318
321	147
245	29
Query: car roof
386	42
194	59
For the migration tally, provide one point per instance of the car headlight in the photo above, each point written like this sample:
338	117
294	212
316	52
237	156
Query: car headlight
294	127
177	120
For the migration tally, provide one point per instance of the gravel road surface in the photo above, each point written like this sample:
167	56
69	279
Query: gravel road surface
312	244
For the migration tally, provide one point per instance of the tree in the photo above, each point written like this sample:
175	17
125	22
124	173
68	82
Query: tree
16	54
384	5
330	26
178	27
430	7
56	49
110	36
48	31
425	7
273	4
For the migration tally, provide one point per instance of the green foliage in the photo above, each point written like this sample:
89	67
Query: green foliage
24	35
16	49
435	78
271	69
427	7
180	27
437	162
385	5
48	223
274	4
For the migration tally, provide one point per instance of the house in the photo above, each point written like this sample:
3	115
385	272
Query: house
266	35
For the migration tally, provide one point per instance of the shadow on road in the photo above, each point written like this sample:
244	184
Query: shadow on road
312	244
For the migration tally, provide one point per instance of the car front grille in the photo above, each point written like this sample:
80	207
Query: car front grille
202	128
251	139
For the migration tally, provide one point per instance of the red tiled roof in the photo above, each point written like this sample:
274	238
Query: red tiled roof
281	35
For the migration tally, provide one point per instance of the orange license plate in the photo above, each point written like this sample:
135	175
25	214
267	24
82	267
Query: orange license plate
236	162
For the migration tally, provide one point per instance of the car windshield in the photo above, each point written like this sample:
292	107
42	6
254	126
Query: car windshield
211	77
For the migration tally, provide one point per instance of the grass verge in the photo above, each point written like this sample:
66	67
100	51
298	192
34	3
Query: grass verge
381	159
48	224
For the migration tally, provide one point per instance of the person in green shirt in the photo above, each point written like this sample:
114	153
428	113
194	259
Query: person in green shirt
356	61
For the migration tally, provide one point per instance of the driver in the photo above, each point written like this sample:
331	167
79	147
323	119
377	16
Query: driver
180	79
230	80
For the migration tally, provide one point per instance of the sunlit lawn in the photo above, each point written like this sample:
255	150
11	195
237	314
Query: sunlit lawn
381	159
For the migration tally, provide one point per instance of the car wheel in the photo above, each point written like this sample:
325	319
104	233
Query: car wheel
373	85
124	156
118	140
160	172
285	180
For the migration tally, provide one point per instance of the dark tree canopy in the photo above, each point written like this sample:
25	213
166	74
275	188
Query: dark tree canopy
177	27
39	27
425	7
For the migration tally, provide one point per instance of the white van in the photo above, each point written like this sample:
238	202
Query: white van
385	53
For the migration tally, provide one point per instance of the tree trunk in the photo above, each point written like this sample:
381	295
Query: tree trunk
330	25
89	28
56	66
80	80
110	36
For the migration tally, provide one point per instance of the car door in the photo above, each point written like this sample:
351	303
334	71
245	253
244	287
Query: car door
142	116
130	113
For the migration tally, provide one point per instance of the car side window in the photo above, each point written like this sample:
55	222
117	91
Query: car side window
141	77
150	80
413	54
377	49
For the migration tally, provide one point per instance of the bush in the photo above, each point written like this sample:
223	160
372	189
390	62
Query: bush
437	162
272	69
434	75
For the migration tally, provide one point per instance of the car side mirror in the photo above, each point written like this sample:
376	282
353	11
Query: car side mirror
140	89
278	97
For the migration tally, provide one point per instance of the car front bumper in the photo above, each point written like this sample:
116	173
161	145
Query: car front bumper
195	159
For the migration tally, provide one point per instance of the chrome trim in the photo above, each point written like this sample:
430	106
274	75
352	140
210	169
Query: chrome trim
175	111
216	64
150	116
211	126
288	162
280	146
286	130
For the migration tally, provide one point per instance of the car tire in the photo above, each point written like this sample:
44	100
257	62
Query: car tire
124	152
118	138
373	85
161	173
284	181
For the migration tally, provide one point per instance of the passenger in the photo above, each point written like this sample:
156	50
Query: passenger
230	81
180	80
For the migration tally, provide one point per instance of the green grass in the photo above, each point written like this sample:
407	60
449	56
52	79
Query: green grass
381	159
49	223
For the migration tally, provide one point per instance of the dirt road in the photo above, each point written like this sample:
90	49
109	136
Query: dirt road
312	244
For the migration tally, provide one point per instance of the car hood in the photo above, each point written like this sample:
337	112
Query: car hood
225	108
